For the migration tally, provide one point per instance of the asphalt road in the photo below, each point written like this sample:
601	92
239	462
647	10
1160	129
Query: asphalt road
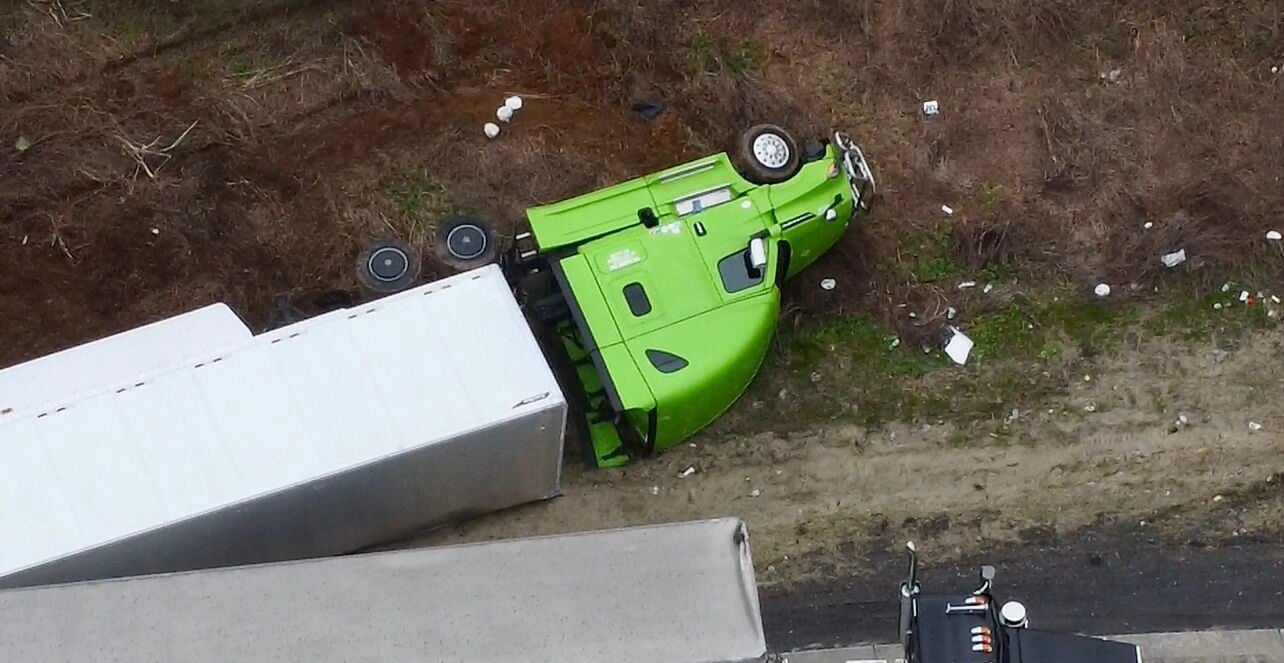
1096	584
1254	646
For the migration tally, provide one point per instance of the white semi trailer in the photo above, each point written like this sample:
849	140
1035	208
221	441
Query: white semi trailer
191	443
678	593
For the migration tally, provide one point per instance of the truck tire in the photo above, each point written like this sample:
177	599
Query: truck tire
769	154
466	242
388	266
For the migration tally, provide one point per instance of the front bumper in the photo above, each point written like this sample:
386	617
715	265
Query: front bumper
858	172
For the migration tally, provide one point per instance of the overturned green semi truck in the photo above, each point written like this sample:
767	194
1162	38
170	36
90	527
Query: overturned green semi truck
666	288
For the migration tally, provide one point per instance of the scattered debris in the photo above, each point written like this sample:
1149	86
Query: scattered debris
1102	290
504	113
1016	414
1253	426
687	472
1173	259
1225	287
1218	498
815	377
784	393
755	492
1275	299
650	109
1087	378
1274	235
967	284
155	231
959	347
1090	407
1182	420
931	107
491	129
1148	225
1220	355
896	343
514	103
655	490
950	313
988	287
22	144
1243	296
947	210
1217	306
1112	76
828	284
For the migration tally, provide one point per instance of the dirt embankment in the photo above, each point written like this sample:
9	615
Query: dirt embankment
316	126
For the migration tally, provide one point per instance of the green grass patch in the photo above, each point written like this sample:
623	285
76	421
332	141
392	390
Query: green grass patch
1218	314
931	258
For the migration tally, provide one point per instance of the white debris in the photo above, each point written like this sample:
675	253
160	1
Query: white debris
950	313
828	284
1274	236
755	492
1111	76
988	287
655	490
1182	420
504	113
967	284
1218	498
1243	296
1090	408
931	107
491	129
1173	259
1148	225
155	231
784	393
1254	426
687	472
1102	290
1274	298
896	343
815	377
1220	355
1225	287
513	103
959	347
1275	69
1217	306
947	210
1087	378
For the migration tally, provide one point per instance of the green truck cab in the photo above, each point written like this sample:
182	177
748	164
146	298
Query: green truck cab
667	287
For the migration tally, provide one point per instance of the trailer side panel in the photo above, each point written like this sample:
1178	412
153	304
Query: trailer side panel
339	432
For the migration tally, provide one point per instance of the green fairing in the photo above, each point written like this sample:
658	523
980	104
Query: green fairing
679	281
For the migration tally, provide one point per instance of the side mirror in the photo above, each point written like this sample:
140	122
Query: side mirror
757	253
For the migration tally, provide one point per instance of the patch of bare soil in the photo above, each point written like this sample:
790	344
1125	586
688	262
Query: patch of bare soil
824	504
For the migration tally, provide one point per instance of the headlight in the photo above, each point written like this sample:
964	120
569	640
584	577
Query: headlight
833	170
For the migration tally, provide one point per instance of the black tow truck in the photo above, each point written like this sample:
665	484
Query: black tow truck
975	628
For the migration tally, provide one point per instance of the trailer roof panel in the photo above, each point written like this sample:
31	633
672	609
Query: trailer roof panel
164	344
679	593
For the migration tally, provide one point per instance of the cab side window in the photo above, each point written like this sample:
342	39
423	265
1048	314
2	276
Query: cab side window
738	273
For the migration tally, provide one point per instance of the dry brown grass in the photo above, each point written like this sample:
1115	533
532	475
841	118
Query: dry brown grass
306	108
